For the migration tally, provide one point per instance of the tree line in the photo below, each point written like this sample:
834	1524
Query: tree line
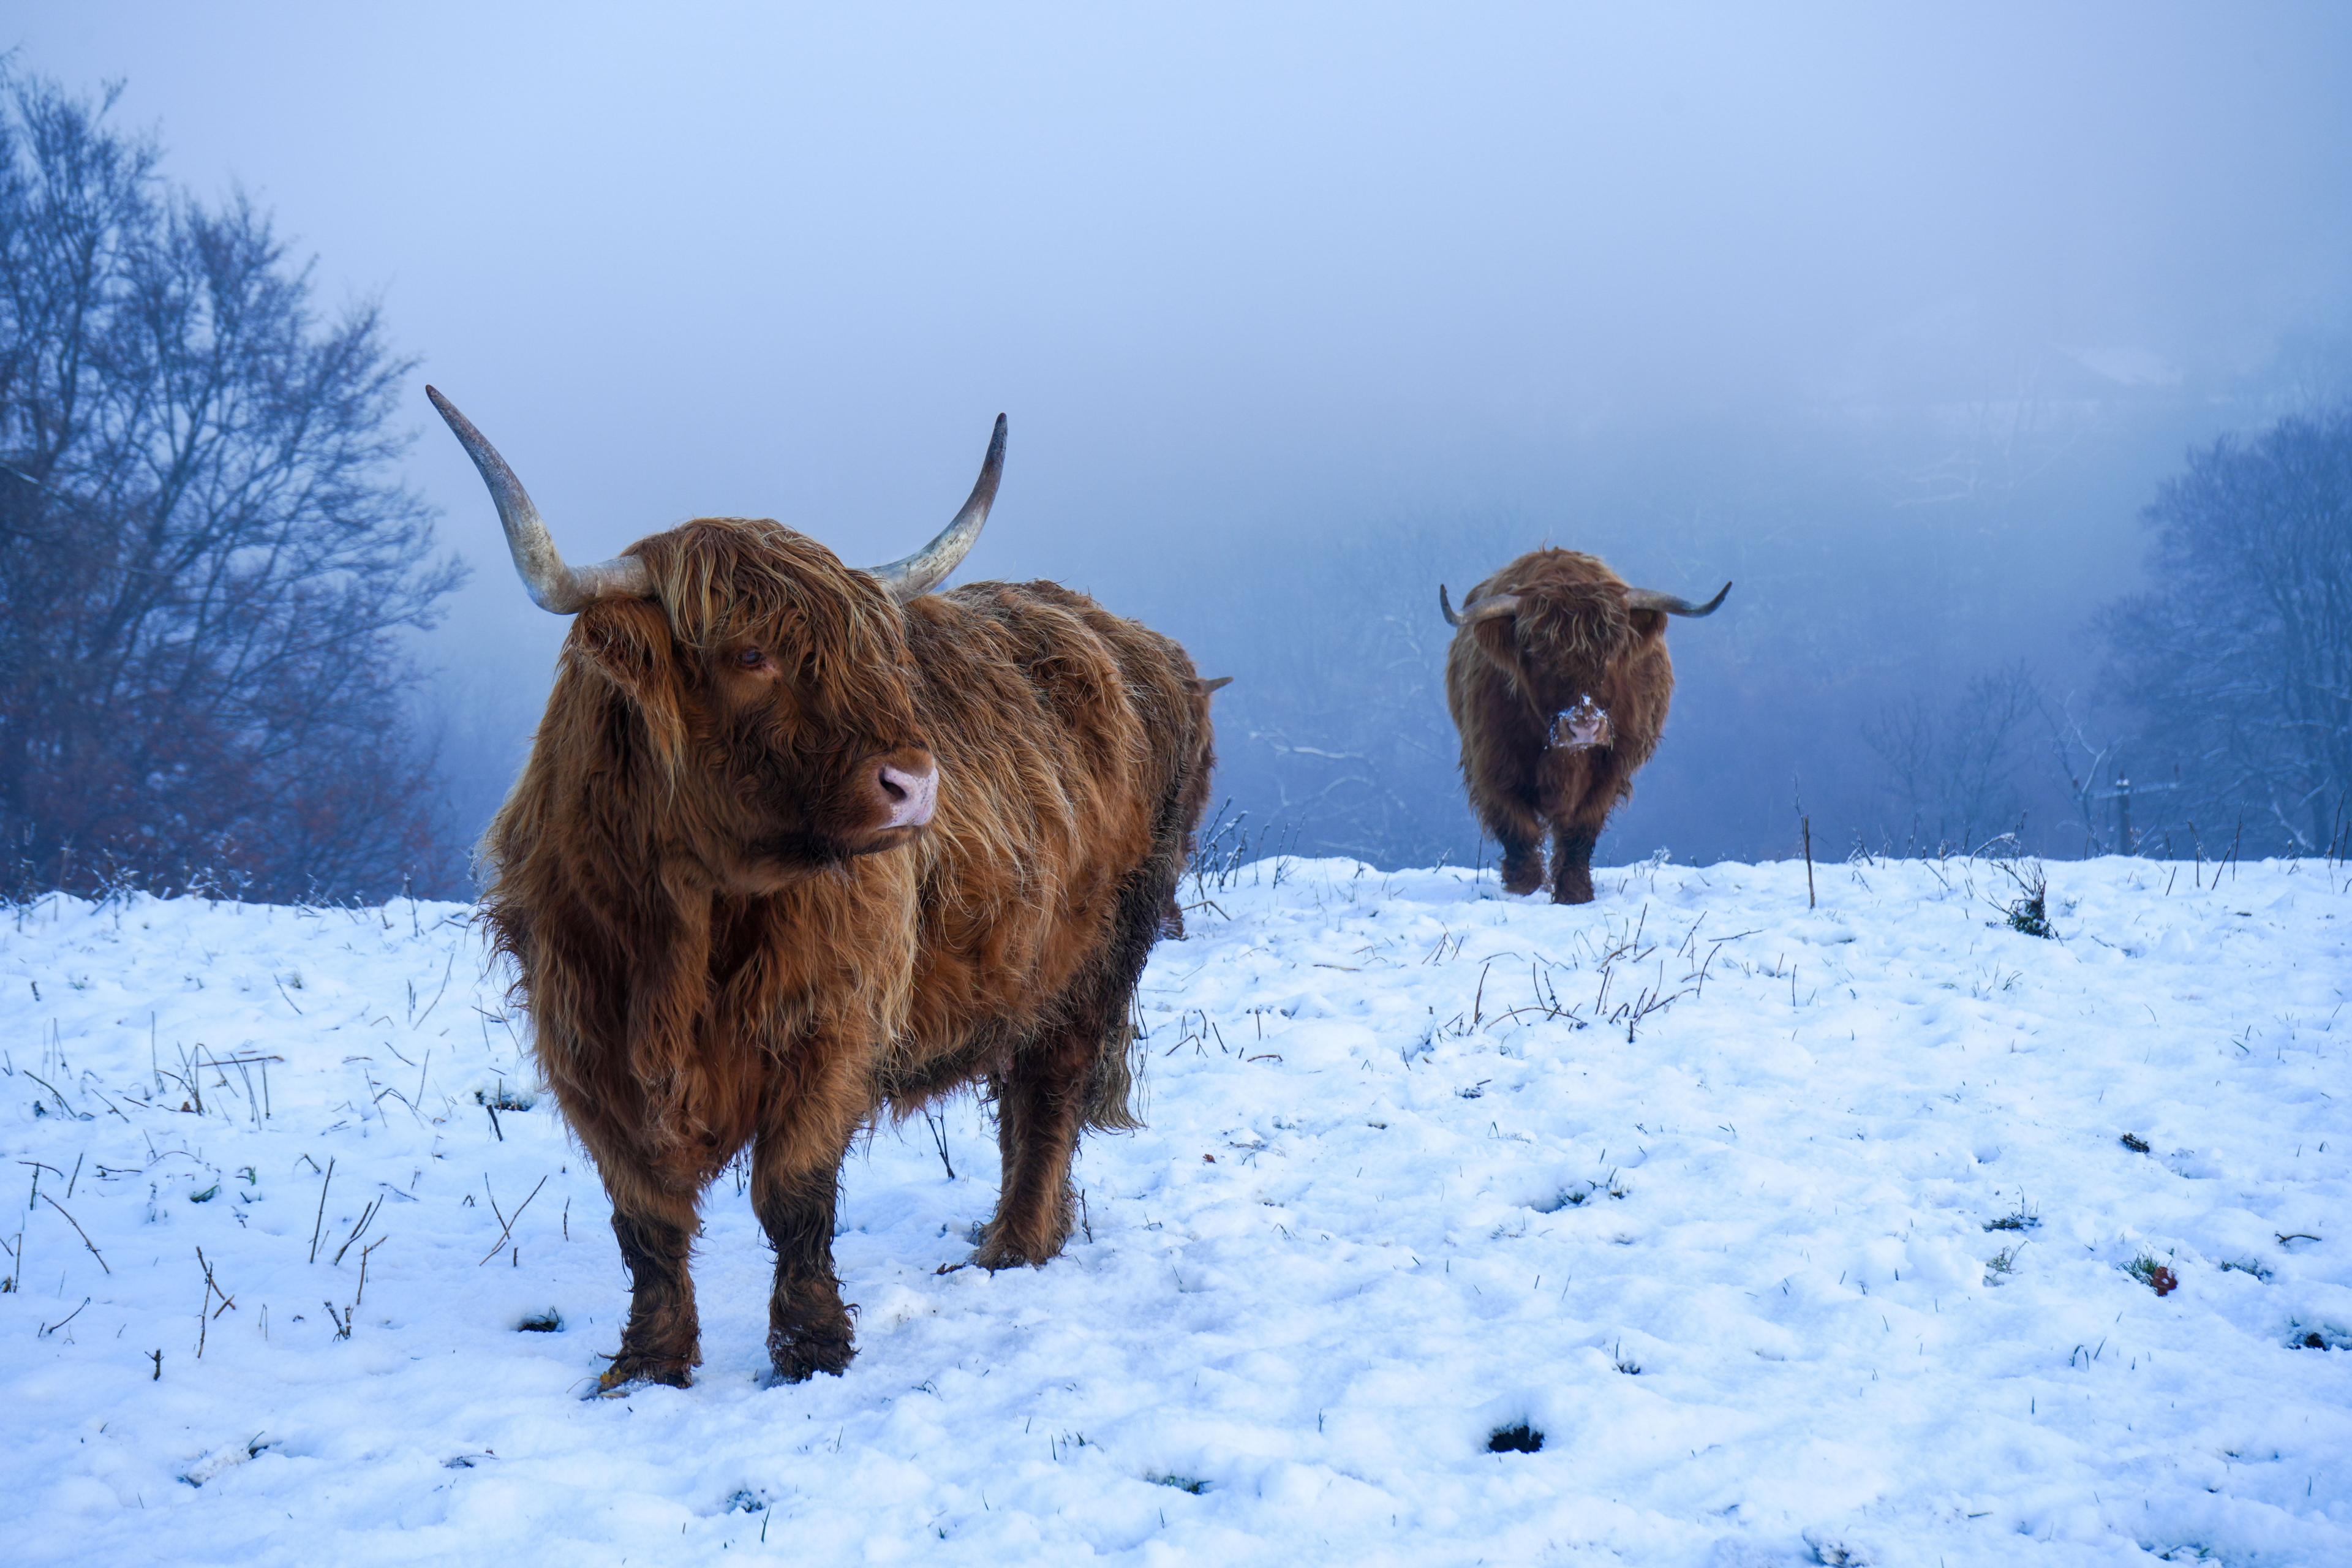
208	557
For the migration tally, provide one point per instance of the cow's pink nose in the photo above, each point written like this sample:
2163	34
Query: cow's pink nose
912	796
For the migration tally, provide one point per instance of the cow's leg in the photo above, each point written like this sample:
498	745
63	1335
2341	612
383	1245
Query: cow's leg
1571	863
1515	825
663	1340
1509	816
1042	1096
1523	866
1574	835
795	1183
1040	1106
1588	790
808	1325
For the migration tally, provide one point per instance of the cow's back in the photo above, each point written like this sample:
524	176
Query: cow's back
1071	744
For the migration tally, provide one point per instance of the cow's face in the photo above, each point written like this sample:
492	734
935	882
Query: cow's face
774	686
1557	625
1565	636
774	730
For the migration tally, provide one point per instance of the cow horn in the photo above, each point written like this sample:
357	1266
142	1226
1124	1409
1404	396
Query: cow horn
555	587
1476	610
1650	599
927	568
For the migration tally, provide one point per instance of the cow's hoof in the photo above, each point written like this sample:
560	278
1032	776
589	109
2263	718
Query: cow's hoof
997	1259
1572	896
997	1252
1522	877
630	1369
800	1354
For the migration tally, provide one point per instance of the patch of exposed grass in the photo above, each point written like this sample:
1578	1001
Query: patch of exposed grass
1516	1438
2153	1273
2029	913
1576	1194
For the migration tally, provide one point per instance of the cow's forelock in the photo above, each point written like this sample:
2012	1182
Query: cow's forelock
1573	632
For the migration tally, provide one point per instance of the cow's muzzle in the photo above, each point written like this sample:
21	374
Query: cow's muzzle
910	794
1582	728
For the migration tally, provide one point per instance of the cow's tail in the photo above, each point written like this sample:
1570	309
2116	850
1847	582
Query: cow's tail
1114	1088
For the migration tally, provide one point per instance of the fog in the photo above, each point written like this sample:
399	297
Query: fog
1895	320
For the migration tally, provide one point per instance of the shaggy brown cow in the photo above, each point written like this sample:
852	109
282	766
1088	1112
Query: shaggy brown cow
1559	681
798	843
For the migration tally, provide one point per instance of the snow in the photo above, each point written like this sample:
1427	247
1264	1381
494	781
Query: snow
1703	1184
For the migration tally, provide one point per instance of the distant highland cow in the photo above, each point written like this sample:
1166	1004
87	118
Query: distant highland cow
796	843
1558	678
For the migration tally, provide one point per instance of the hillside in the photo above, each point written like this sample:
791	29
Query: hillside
1798	1235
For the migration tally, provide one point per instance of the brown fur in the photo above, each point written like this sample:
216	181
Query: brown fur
1506	678
719	949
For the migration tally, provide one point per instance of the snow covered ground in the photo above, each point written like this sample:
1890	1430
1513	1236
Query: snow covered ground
1798	1235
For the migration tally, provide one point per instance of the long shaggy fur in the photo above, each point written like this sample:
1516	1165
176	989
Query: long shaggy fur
1505	681
710	961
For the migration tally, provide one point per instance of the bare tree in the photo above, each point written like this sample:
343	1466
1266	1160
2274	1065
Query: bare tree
2238	662
207	559
1955	770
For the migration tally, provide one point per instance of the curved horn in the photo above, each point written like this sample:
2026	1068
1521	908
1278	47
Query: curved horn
927	568
1477	610
554	587
1649	599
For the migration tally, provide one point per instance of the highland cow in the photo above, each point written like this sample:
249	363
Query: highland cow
797	845
1558	680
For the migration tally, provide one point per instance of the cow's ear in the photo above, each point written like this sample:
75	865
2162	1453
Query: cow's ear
1648	624
628	642
1498	639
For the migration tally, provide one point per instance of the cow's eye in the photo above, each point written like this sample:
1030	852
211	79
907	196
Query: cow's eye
751	657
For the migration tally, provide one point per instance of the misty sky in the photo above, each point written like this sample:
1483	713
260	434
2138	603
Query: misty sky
1235	273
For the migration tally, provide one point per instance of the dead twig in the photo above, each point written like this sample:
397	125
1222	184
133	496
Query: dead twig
321	1218
48	1328
939	1138
507	1229
366	1253
445	969
206	1311
85	1241
366	1216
